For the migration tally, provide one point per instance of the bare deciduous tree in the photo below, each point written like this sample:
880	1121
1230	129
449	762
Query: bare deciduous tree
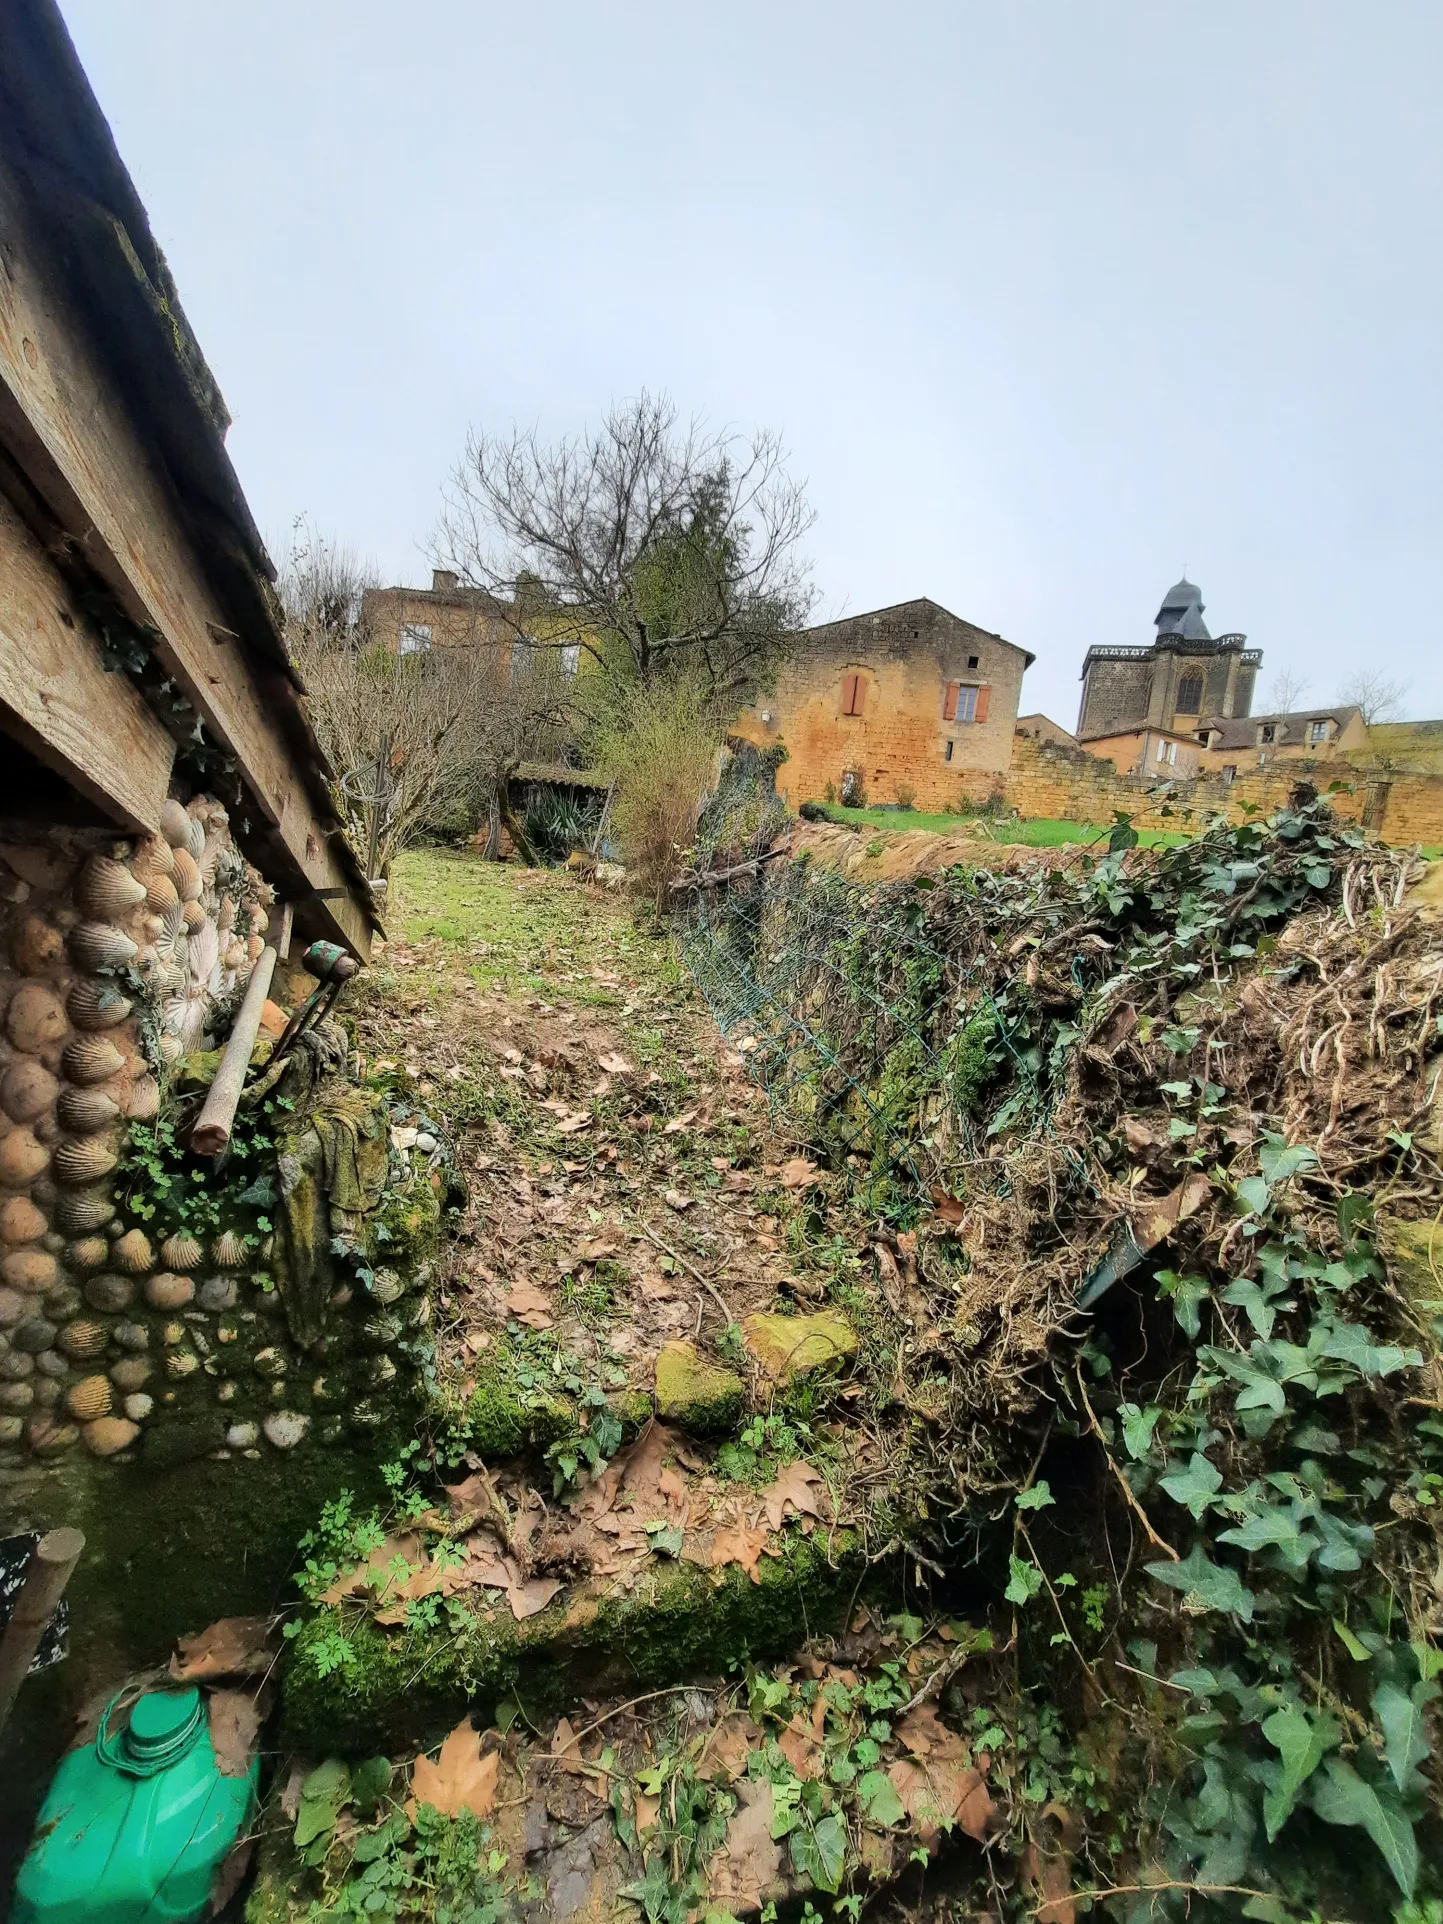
1375	693
1286	691
655	549
420	742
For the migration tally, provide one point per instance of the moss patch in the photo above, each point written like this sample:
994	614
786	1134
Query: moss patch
698	1395
786	1347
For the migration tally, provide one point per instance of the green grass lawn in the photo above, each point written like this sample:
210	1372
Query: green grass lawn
1034	834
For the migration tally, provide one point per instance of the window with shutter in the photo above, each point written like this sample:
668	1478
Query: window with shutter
949	701
979	712
852	694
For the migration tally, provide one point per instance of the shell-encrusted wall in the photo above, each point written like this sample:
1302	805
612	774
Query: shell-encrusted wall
116	958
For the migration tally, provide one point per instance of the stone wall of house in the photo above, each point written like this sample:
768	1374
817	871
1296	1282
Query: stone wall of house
899	742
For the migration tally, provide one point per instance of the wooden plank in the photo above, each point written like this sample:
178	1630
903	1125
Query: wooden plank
71	432
55	695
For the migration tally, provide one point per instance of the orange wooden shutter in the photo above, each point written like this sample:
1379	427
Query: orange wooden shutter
949	701
849	694
979	713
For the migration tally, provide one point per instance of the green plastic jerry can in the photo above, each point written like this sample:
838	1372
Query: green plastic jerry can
135	1825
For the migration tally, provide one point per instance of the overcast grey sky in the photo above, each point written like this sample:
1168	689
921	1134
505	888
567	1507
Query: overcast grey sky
1049	298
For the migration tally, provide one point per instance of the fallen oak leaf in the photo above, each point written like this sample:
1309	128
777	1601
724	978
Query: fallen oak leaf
798	1172
235	1724
461	1779
529	1306
526	1599
795	1488
231	1647
739	1545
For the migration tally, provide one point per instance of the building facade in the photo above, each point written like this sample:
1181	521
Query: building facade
1305	735
1186	676
909	703
411	621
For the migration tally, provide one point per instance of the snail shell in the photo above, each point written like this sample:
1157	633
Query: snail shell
229	1250
96	1005
174	823
181	1252
133	1252
82	1159
78	1211
107	889
91	1058
194	915
35	1018
83	1111
161	893
187	875
88	1398
96	945
143	1101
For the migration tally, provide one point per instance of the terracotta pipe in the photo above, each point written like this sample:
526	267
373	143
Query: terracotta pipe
211	1133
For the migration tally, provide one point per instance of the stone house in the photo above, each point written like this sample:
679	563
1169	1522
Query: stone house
1163	754
1305	735
1186	676
411	621
909	703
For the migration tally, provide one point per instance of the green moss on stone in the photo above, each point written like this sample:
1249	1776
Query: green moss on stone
403	1687
786	1347
704	1399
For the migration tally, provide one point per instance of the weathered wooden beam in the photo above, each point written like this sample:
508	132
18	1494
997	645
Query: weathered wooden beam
91	727
68	428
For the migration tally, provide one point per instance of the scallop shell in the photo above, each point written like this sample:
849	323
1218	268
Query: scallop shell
143	1100
172	1048
161	893
82	1159
181	1252
195	837
229	1250
259	920
97	1005
155	857
90	1252
187	875
174	823
254	947
172	930
96	945
79	1211
88	1399
134	1253
91	1058
107	889
225	915
194	915
82	1339
83	1111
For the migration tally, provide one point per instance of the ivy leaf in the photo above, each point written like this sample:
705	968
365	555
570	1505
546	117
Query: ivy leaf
1351	1343
879	1798
1279	1160
1250	1298
1401	1716
1302	1746
1037	1498
1341	1796
1186	1293
1213	1584
666	1539
1026	1581
1194	1487
1344	1544
1253	1195
1274	1527
1137	1427
819	1851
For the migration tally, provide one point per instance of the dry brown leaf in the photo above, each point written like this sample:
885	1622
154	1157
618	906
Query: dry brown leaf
529	1305
565	1751
373	1573
1049	1876
795	1488
749	1863
232	1647
939	1793
730	1744
948	1207
799	1173
676	1200
461	1778
645	1811
739	1545
526	1599
801	1751
235	1724
923	1733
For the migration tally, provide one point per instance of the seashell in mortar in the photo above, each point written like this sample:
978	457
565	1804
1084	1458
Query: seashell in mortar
82	1339
36	946
195	837
27	1090
83	1111
155	857
91	1058
143	1099
96	945
172	1048
106	889
194	915
97	1005
225	915
89	1252
161	893
229	1250
181	1252
88	1398
254	947
21	1221
172	930
187	875
259	920
35	1018
174	823
82	1159
22	1158
133	1252
79	1211
235	957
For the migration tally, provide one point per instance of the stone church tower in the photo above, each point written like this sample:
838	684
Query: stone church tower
1185	678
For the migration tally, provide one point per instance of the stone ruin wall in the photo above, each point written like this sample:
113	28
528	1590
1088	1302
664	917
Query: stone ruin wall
120	959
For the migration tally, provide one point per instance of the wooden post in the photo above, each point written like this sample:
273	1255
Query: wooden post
211	1133
283	940
51	1561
